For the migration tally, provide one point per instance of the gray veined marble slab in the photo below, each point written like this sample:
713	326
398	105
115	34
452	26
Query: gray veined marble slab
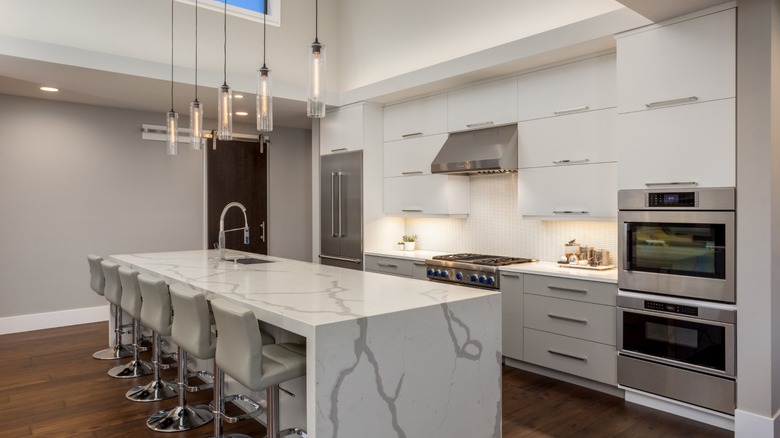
386	356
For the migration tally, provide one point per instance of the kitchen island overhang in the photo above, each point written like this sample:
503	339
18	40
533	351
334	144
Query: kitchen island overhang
386	356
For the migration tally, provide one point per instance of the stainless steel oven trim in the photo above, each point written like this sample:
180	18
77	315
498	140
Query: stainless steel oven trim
730	350
694	287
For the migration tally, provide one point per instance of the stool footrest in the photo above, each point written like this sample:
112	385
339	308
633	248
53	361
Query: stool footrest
200	374
293	431
257	408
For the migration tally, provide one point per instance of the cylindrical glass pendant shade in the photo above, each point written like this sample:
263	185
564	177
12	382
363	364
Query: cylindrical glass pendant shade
264	101
196	125
225	113
315	104
172	135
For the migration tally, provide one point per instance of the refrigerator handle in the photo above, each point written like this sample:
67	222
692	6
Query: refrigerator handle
341	234
332	203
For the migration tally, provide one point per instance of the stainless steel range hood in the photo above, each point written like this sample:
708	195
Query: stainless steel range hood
491	150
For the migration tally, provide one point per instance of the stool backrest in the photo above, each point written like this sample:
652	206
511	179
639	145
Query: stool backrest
131	294
156	312
96	279
239	343
192	322
113	290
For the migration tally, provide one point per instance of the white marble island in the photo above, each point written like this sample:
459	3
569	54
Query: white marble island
386	356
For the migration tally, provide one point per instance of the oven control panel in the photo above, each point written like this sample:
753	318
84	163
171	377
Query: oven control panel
672	308
672	199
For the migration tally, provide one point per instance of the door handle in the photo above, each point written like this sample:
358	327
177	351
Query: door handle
332	205
570	110
671	102
569	355
262	226
567	289
567	318
341	233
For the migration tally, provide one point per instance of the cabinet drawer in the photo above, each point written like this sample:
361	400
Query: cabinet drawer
590	322
389	265
412	156
590	360
578	290
419	117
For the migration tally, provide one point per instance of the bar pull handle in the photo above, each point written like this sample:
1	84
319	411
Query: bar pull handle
569	355
262	237
570	211
567	289
387	265
559	162
567	318
504	274
339	150
413	172
418	264
672	102
413	134
341	259
571	110
341	232
479	124
412	210
672	183
332	205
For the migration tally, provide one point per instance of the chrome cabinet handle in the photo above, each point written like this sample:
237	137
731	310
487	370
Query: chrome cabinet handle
477	125
672	101
332	205
262	225
413	134
510	275
342	259
387	265
418	264
571	110
567	318
570	211
341	233
569	355
672	183
567	289
338	150
559	162
413	172
412	210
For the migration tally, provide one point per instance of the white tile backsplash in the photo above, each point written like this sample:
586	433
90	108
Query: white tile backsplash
494	226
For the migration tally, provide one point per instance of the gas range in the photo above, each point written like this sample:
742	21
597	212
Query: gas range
469	269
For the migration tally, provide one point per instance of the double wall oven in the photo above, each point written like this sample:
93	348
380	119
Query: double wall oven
676	313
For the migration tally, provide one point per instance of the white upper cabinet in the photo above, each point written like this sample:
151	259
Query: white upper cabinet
412	156
342	130
585	85
581	138
416	118
687	61
427	196
481	106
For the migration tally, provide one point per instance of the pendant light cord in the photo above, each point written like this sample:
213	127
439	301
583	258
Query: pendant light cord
316	19
171	55
265	15
224	48
196	50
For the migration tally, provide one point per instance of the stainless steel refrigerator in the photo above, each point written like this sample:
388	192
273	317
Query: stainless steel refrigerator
341	210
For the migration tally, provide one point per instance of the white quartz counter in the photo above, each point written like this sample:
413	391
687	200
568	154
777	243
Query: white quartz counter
556	270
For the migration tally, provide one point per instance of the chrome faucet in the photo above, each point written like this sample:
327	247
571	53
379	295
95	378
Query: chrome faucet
222	230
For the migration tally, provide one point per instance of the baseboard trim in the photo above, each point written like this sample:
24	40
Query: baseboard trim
38	321
748	424
692	412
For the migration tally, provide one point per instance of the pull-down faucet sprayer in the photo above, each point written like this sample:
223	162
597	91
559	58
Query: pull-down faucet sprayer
222	230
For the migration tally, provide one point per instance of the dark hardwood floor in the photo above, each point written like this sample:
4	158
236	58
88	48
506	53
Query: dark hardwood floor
50	386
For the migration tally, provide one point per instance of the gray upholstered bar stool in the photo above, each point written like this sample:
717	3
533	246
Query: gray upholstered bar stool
242	355
191	331
156	315
130	302
97	281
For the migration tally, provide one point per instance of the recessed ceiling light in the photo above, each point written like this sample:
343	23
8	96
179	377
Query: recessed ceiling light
50	89
238	96
242	113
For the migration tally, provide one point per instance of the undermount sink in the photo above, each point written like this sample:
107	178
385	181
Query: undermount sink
251	261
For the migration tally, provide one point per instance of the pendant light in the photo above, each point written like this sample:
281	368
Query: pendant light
315	104
225	96
264	100
172	120
196	109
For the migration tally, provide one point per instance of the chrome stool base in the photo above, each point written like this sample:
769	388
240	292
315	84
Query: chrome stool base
180	418
113	353
135	368
293	431
154	391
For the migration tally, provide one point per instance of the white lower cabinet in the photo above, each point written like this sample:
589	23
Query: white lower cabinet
569	192
511	285
427	195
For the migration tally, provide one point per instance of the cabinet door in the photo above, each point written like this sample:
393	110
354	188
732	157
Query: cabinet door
574	192
588	137
585	85
426	195
419	117
342	130
683	144
512	315
482	106
685	62
418	271
412	156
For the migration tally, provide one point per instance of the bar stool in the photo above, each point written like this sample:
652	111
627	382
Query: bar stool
191	331
156	315
130	302
97	281
242	355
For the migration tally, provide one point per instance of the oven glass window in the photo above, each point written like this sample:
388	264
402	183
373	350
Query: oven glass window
696	250
695	343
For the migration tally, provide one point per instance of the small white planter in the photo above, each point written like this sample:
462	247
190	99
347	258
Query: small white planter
409	246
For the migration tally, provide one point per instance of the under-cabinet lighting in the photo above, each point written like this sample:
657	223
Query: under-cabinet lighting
50	89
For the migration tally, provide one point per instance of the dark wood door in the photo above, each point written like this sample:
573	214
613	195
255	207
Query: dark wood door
237	172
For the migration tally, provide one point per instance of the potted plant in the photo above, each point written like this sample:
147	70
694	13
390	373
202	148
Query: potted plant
409	242
400	246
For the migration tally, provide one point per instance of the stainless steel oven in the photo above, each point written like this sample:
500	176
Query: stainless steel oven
678	348
678	242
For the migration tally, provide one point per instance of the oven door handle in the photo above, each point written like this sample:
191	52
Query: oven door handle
624	250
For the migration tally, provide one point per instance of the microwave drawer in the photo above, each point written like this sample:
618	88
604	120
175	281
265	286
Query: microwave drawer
389	265
590	322
596	292
590	360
